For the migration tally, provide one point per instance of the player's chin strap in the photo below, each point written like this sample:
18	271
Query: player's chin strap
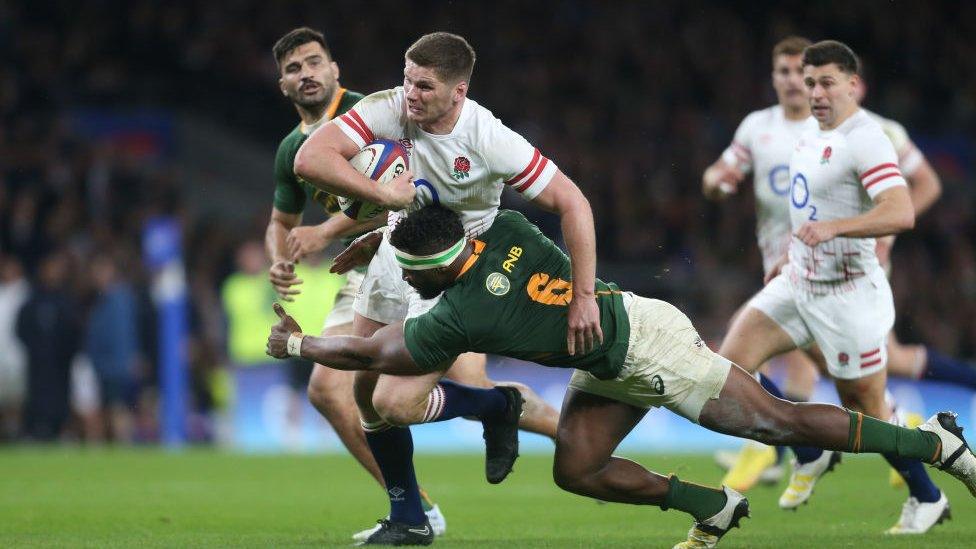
432	261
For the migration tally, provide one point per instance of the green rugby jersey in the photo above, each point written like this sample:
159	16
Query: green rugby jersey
291	191
512	300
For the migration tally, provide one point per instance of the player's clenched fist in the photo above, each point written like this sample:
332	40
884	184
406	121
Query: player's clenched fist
812	233
283	277
400	192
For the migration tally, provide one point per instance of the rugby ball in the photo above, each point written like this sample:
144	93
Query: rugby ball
382	160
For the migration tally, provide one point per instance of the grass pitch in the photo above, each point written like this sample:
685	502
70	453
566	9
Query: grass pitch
151	498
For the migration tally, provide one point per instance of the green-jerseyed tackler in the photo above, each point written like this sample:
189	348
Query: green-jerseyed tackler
512	300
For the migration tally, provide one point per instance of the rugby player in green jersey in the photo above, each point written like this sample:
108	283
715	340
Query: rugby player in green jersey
507	292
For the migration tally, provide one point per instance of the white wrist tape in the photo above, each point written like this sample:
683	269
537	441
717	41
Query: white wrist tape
294	345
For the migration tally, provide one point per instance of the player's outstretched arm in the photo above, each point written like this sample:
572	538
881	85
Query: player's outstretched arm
314	238
563	197
385	352
323	161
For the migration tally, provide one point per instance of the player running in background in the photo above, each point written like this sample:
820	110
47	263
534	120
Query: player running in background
845	190
651	355
761	146
462	157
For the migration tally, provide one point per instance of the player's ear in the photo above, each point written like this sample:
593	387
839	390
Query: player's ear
335	69
461	90
281	86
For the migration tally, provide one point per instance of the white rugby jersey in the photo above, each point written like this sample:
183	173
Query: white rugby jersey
909	157
763	144
836	174
464	170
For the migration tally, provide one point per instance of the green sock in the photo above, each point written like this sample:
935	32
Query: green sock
869	434
699	501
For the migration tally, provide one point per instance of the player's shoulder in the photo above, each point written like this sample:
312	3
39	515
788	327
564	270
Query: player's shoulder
891	128
511	219
762	117
349	99
290	142
392	96
481	125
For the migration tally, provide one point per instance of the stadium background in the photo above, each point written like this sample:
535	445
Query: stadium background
117	115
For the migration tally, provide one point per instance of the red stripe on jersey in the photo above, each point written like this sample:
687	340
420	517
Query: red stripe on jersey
872	363
871	353
535	175
363	123
532	163
351	122
741	150
879	167
869	184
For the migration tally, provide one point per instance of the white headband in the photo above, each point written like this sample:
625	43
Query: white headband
432	261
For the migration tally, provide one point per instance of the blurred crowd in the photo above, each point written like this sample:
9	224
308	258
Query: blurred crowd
632	100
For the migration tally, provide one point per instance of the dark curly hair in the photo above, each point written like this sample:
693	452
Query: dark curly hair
428	230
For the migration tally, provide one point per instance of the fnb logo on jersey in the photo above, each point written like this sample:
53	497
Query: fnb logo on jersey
513	256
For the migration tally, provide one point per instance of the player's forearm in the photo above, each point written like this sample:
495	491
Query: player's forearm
340	225
580	236
275	241
925	188
323	167
890	216
354	353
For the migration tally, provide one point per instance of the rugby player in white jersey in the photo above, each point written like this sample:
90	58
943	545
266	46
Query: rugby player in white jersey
461	157
845	190
762	145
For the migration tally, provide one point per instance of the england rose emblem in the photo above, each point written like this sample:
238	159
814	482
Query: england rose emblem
461	168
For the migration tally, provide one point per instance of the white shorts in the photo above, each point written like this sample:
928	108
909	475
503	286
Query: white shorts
667	364
384	296
850	327
342	312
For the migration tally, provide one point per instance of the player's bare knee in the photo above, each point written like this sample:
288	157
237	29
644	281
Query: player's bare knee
328	392
396	410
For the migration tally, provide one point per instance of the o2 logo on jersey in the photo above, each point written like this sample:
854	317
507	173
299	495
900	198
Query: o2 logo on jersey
426	194
800	195
779	179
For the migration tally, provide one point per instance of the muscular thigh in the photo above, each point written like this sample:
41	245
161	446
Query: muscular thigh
404	392
469	369
755	338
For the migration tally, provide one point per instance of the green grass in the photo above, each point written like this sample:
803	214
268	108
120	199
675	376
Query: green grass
150	498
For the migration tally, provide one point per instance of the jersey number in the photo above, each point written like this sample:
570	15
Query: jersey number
549	291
